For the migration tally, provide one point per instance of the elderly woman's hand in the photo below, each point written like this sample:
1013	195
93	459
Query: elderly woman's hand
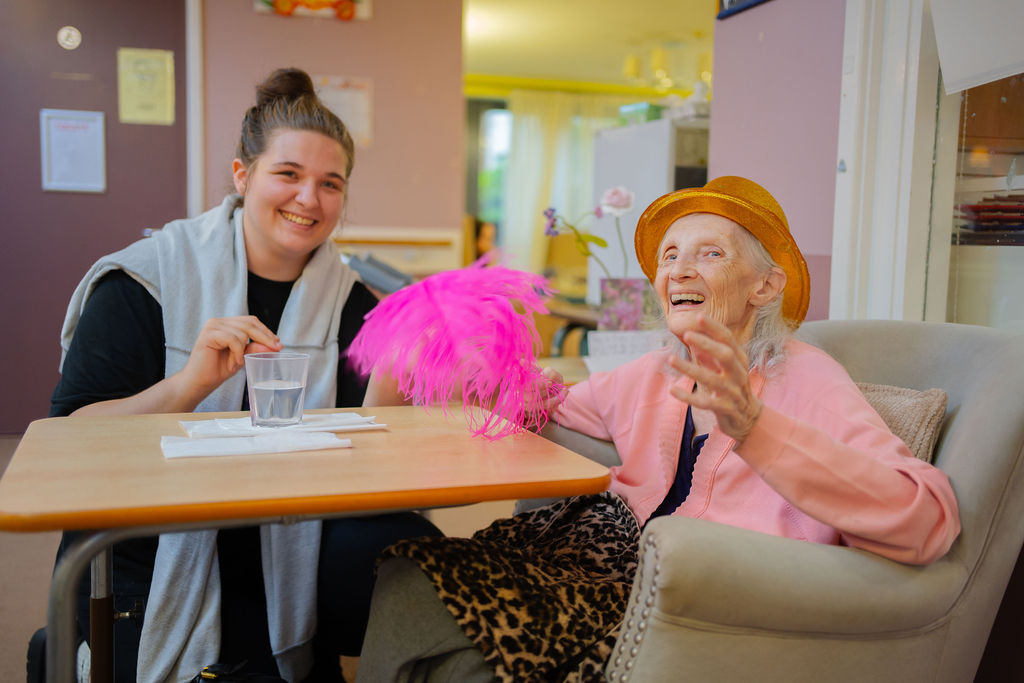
721	369
553	391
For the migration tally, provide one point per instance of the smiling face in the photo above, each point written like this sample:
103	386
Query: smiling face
294	194
706	263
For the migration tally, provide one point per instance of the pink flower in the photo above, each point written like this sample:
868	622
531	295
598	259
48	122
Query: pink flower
617	201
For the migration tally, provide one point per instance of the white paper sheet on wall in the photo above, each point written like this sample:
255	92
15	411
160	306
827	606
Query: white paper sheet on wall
351	98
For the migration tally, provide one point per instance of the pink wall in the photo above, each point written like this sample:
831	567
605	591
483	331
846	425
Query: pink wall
775	118
412	174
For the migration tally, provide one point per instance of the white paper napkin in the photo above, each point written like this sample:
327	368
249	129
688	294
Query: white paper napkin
311	422
184	447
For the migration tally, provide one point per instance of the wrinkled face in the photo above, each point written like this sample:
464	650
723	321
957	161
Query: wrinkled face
705	266
294	195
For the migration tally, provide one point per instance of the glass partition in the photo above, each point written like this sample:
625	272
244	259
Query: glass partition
986	270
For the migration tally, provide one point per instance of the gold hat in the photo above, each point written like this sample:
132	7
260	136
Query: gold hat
744	202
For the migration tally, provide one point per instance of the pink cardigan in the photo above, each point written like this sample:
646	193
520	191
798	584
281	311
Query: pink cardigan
820	464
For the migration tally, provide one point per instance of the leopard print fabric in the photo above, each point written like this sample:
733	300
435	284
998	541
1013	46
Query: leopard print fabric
542	594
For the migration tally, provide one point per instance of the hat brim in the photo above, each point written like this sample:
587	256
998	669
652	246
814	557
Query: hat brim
763	224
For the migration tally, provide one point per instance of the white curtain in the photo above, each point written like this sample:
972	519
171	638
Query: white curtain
550	163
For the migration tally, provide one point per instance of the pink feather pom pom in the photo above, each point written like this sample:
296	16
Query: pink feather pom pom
458	335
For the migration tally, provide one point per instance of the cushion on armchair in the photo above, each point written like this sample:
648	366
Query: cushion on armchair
914	416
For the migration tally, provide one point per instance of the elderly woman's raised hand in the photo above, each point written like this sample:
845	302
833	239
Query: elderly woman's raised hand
721	369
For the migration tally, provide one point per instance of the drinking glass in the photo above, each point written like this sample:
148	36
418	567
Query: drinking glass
277	387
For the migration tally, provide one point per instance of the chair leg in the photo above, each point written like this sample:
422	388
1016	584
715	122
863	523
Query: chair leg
35	664
1000	662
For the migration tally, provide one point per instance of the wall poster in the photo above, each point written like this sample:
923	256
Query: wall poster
345	10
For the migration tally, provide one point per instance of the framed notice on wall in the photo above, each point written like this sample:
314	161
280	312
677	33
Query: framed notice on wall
73	150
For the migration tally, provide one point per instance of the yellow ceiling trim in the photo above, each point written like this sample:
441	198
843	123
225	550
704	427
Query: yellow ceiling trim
484	86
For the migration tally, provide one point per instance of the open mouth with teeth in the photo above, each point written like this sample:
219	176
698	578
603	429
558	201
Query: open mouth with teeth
294	218
688	298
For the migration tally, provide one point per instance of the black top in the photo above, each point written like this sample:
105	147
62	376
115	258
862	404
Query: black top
118	351
689	449
118	347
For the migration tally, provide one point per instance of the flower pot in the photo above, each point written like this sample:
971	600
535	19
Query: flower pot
627	303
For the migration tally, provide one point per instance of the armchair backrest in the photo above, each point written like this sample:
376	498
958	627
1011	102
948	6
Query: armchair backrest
980	448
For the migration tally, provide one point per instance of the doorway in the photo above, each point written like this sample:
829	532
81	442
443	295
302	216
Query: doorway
51	238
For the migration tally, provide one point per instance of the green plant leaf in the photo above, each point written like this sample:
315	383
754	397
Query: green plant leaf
581	245
599	241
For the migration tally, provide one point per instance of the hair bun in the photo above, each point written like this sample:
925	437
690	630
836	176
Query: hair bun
287	84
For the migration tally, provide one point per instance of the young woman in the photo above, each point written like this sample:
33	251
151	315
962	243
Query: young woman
163	325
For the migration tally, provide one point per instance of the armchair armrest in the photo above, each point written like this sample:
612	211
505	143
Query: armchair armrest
598	450
746	579
707	592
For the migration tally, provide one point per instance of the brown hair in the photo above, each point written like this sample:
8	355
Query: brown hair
287	99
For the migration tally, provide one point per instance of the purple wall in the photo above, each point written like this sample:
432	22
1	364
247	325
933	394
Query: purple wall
412	175
51	238
775	116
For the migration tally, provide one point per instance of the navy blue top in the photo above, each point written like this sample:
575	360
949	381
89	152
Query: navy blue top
688	452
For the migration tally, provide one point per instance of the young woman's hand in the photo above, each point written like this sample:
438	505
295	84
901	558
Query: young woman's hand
219	351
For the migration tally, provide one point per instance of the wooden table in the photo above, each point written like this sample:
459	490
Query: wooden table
108	474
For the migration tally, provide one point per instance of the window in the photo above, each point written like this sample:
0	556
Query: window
495	137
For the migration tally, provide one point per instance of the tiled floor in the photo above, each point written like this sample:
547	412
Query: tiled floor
25	564
27	559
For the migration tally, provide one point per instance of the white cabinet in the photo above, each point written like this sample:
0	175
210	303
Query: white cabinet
650	159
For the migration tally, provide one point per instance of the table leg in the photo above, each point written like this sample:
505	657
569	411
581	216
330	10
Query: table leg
60	616
101	619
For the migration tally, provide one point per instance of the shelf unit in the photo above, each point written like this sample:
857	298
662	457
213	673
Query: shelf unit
986	270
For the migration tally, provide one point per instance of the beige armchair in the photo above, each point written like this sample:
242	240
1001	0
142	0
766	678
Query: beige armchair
718	603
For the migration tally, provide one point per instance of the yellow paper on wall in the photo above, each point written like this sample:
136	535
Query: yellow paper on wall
145	86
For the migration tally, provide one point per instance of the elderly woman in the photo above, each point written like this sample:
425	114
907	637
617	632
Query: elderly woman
740	424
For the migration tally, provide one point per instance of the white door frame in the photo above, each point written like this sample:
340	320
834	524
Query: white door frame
883	246
194	125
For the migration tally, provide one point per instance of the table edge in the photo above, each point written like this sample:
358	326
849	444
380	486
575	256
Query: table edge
303	506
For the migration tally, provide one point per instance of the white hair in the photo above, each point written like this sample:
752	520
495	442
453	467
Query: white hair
767	345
